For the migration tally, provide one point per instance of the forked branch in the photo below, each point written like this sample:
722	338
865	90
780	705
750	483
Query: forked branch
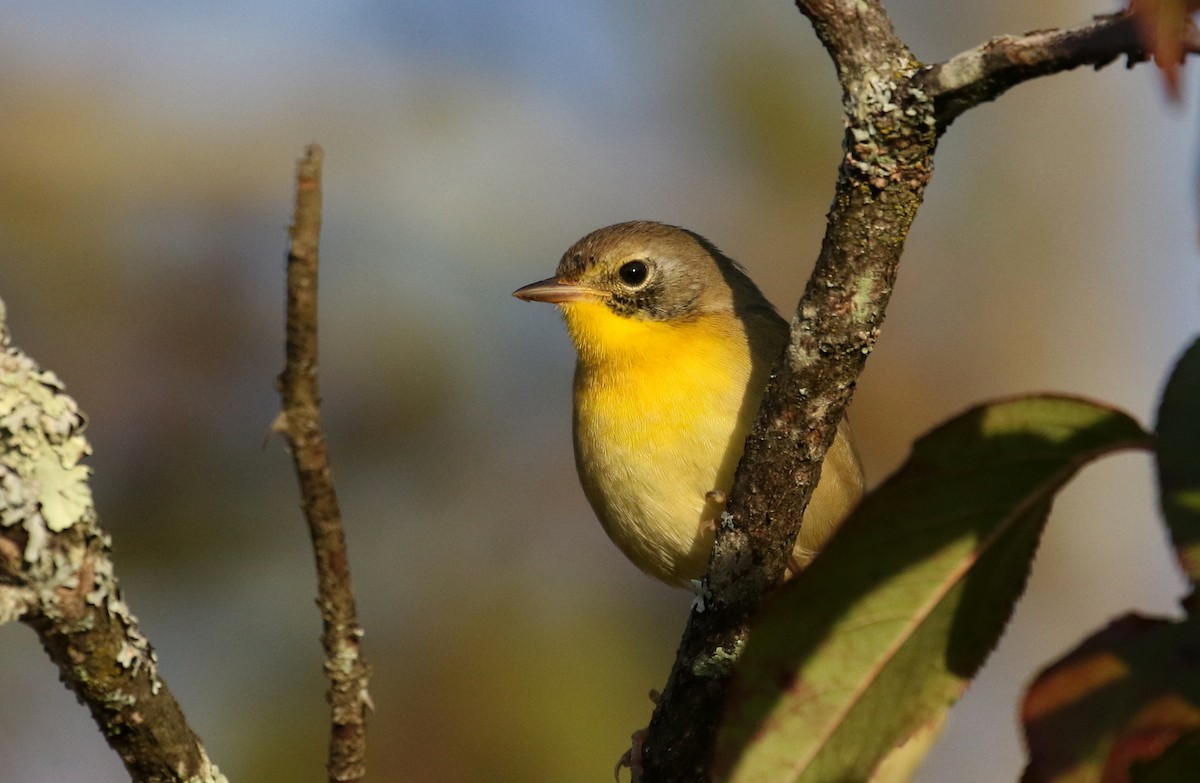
896	109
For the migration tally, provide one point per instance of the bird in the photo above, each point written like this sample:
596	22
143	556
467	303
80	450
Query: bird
674	345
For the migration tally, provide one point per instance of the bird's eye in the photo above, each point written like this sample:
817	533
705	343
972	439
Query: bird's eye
634	273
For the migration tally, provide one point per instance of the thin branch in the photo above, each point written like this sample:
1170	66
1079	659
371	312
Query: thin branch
889	145
300	423
56	576
984	73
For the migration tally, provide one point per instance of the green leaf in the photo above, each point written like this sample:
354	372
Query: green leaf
1109	708
1178	451
878	637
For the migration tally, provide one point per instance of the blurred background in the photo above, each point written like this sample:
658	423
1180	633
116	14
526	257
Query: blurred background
147	166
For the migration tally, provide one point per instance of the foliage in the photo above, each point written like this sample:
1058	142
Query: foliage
877	639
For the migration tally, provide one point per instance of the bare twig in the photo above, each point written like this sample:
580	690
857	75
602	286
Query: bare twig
56	576
300	423
987	71
895	111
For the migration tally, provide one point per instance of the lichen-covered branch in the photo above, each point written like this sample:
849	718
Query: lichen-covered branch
985	72
895	110
56	576
300	423
890	138
858	37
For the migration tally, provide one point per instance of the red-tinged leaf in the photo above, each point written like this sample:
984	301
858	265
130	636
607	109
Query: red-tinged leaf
1163	26
1178	452
877	637
1120	699
1178	764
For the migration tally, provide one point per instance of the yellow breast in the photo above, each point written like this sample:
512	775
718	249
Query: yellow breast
661	413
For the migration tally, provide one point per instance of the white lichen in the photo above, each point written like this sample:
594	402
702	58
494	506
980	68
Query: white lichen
720	663
700	593
44	491
876	101
43	486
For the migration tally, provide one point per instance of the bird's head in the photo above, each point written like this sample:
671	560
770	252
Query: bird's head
625	288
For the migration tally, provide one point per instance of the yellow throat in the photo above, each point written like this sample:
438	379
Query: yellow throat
661	412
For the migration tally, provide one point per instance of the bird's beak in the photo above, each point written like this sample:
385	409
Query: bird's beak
556	290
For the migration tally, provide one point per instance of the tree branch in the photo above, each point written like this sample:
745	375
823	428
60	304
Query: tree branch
56	576
300	423
889	143
895	111
984	73
858	36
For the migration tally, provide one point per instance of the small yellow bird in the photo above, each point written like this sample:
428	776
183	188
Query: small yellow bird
674	346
